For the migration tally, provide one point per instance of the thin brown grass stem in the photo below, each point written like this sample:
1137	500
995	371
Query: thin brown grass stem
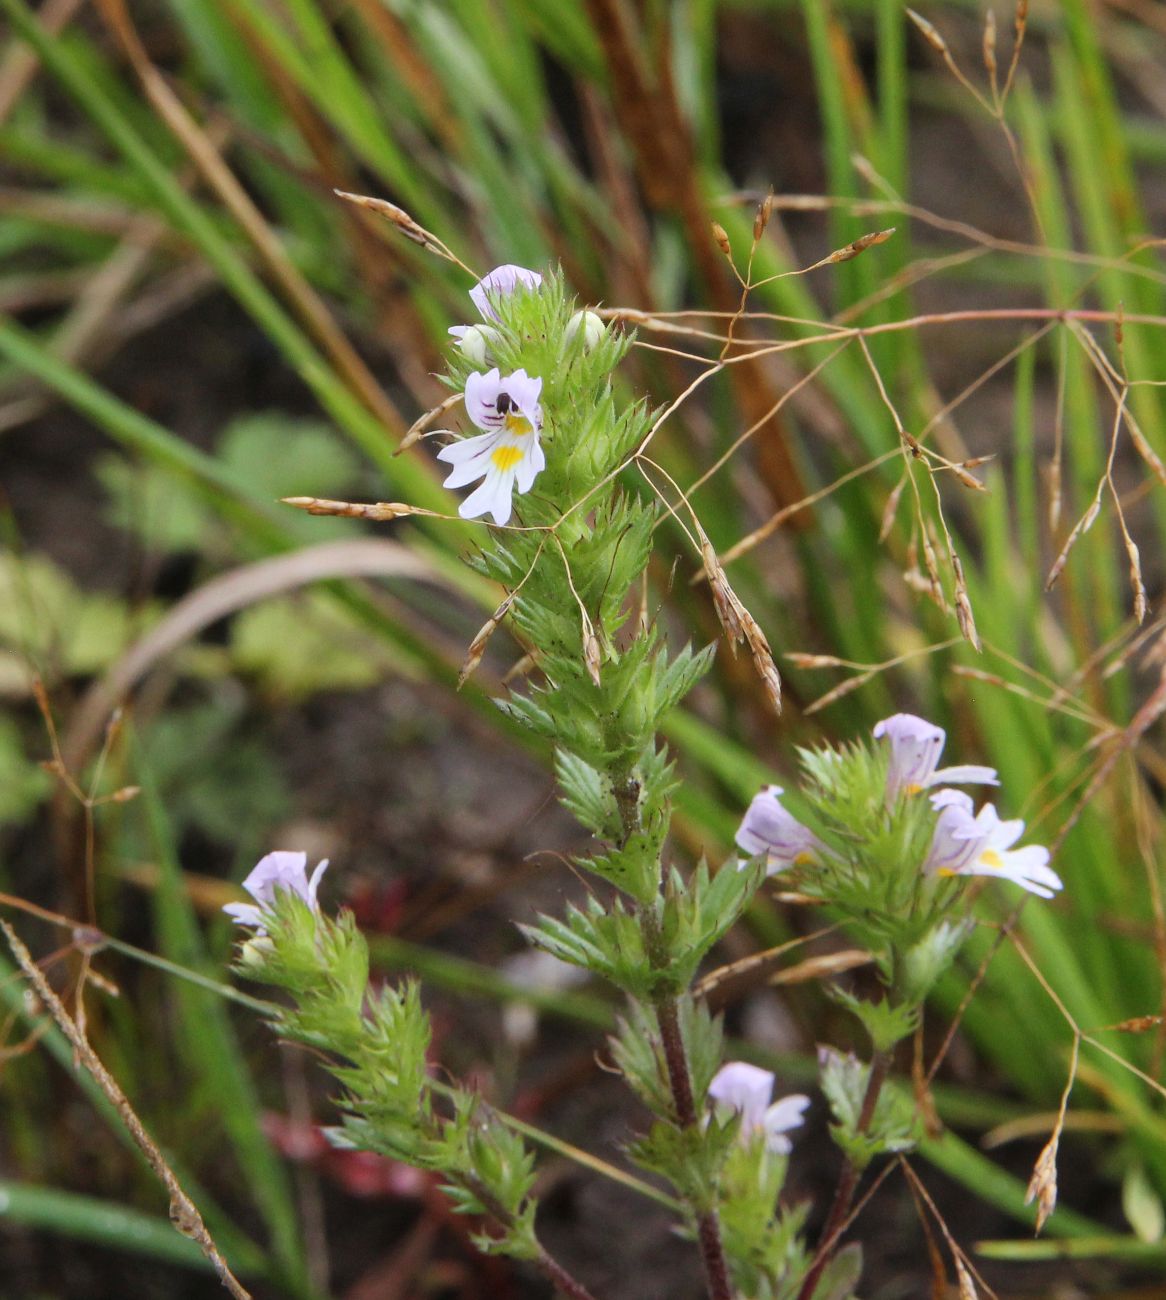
183	1212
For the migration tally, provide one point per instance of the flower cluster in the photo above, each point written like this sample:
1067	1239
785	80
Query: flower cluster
746	1089
508	453
964	843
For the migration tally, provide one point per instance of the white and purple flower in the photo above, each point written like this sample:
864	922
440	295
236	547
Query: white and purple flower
508	453
277	871
916	745
981	845
747	1089
474	340
500	283
769	827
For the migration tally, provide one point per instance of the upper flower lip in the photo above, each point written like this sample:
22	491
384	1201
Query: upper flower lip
746	1089
275	872
490	398
502	280
916	745
769	827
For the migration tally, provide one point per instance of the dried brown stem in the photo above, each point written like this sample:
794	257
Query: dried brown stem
183	1212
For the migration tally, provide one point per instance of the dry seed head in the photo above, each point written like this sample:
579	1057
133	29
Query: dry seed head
125	794
478	644
932	36
1139	587
721	235
967	1286
1138	1025
417	428
963	605
378	510
861	244
801	660
408	227
764	212
843	688
522	668
968	480
990	45
815	968
762	658
891	509
1042	1186
592	654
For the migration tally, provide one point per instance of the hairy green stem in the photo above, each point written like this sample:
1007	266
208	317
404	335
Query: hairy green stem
880	1065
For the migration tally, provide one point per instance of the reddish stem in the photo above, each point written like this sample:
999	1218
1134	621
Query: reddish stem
848	1180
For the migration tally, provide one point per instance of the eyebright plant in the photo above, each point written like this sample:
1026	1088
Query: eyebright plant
870	838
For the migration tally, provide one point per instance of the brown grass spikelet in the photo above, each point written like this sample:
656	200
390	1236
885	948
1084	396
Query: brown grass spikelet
478	644
1081	527
860	245
721	235
378	511
1042	1186
725	599
407	225
592	652
800	659
930	33
990	47
963	604
764	212
738	624
417	429
521	668
1137	1024
967	1286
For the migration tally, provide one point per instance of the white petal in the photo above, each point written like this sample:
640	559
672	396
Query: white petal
745	1088
470	459
501	281
314	882
530	465
244	914
966	774
493	496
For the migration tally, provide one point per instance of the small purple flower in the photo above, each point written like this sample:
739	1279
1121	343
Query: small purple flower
963	845
769	827
508	453
746	1089
502	281
916	745
277	871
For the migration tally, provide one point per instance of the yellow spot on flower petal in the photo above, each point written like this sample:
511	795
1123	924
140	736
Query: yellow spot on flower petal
804	859
990	858
517	424
506	457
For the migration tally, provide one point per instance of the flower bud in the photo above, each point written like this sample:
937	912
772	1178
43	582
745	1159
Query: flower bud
256	952
474	342
591	325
